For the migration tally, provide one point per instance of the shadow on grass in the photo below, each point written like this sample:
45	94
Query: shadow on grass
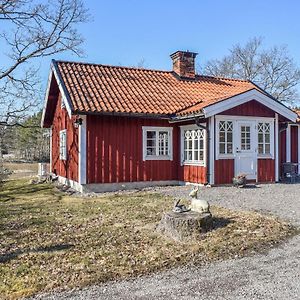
11	191
221	222
13	255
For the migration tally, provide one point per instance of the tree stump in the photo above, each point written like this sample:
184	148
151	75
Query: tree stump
185	226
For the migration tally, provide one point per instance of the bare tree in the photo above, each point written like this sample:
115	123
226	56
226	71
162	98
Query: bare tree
272	69
33	30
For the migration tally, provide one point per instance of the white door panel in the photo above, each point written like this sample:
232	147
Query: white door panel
246	156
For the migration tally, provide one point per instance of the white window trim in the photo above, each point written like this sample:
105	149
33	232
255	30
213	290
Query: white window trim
192	163
157	157
235	119
63	157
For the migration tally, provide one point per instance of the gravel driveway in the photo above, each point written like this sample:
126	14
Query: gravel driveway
272	276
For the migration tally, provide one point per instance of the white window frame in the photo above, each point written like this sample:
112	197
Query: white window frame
193	163
170	143
271	130
63	148
236	119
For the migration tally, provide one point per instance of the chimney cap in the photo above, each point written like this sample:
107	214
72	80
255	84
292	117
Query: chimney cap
186	53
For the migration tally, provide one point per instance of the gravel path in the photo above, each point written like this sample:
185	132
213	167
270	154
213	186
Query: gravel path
272	276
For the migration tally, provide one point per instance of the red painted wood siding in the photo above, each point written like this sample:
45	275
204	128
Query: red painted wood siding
251	108
282	150
224	171
194	174
294	144
266	170
115	151
66	168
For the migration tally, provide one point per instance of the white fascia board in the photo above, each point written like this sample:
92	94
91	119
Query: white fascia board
46	97
64	97
248	96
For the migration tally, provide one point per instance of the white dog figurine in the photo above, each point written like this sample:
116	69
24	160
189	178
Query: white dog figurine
197	205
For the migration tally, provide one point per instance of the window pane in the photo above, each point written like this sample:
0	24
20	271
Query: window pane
151	151
222	148
229	148
151	134
196	156
222	137
201	155
229	137
267	149
267	138
260	138
260	148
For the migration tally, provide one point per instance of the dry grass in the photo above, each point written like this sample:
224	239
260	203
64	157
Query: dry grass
50	240
21	170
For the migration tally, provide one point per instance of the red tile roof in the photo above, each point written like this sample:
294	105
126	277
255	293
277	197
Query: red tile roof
112	89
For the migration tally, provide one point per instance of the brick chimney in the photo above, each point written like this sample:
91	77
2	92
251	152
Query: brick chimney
184	64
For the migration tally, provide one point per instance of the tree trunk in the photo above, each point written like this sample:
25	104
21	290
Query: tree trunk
185	226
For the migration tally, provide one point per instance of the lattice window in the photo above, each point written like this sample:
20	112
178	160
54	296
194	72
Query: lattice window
193	146
225	137
264	138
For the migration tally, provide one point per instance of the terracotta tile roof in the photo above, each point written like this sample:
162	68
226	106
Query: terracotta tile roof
102	88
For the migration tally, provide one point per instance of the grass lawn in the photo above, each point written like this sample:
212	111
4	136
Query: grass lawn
52	240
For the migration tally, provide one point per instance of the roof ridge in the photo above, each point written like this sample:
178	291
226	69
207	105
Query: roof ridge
111	66
225	78
148	69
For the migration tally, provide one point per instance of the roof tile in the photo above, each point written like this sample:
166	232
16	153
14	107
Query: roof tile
101	88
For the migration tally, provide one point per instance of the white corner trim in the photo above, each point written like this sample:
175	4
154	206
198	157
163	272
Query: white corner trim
71	183
248	96
288	143
276	148
82	151
50	152
212	150
144	140
193	163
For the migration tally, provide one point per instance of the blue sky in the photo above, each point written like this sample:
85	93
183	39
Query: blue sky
124	32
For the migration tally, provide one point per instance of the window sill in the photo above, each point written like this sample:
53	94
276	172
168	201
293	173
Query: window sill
197	164
225	156
268	156
158	158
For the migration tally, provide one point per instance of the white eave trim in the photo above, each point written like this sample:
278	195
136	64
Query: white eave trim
64	97
229	103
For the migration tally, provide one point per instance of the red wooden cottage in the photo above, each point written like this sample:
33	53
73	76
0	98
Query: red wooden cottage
117	127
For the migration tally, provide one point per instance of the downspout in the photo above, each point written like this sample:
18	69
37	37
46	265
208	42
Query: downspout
197	121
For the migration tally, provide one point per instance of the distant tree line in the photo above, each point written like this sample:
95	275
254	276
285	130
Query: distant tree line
28	141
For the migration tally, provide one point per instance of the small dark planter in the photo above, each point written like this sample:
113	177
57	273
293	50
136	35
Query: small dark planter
239	180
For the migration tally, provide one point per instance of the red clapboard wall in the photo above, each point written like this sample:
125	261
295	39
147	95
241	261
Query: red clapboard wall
224	171
251	108
115	153
294	144
65	168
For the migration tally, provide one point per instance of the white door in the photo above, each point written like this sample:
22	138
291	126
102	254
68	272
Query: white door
246	157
